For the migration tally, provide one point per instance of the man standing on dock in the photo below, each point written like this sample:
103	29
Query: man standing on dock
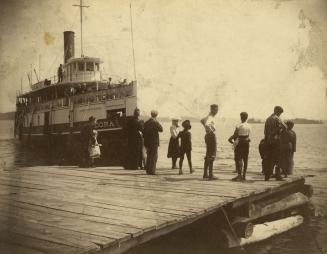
241	141
151	142
211	142
134	130
273	126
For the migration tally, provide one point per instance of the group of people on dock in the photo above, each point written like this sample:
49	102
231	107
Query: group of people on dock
276	148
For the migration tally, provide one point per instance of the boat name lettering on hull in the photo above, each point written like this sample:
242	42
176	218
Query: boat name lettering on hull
102	124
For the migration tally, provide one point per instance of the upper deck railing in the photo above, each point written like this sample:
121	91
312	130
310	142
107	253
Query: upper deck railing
85	97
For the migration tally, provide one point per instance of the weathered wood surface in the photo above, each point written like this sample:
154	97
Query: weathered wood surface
73	210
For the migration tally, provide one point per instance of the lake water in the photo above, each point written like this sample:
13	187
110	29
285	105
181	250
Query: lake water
310	160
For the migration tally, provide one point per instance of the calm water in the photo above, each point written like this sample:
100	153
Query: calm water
310	160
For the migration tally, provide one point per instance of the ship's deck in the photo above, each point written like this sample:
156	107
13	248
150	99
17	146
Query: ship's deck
72	210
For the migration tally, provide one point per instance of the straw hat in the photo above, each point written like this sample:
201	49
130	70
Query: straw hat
176	118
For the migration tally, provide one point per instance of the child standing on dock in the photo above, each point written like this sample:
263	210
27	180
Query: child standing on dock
211	142
173	147
241	141
186	146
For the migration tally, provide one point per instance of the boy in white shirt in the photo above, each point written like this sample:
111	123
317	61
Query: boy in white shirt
241	141
211	142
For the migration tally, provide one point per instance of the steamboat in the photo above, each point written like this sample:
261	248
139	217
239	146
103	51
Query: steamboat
51	115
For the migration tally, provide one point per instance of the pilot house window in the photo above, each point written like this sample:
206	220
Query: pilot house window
89	66
81	66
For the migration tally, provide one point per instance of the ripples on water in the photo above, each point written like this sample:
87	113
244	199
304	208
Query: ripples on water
310	160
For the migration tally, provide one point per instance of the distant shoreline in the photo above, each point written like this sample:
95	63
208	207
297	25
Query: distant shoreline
295	120
11	116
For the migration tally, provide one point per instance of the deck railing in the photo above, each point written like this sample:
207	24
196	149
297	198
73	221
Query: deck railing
111	93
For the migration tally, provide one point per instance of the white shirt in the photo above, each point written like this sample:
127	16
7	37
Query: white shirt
209	123
243	129
174	130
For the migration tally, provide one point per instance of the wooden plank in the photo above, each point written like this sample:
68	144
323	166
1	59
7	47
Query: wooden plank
153	186
8	248
282	187
186	200
30	228
240	186
85	209
73	224
39	245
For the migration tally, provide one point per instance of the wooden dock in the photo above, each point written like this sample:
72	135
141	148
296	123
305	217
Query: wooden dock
60	209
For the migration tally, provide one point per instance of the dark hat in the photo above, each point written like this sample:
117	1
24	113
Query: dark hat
244	115
186	124
212	106
278	109
290	124
91	118
154	113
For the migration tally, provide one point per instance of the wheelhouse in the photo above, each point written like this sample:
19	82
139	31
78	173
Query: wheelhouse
82	69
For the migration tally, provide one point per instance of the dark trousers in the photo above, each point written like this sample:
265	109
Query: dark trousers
60	77
272	160
189	159
85	161
241	154
211	152
173	161
151	160
134	157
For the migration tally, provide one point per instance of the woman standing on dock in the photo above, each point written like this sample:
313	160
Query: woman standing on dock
173	147
87	139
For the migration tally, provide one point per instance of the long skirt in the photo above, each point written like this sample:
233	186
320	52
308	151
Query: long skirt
134	156
173	148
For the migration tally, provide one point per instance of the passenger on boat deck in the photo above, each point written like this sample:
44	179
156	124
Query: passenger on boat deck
273	126
124	83
210	139
151	142
241	141
109	82
173	146
60	73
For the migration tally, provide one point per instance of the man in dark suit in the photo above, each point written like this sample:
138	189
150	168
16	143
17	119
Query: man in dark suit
151	142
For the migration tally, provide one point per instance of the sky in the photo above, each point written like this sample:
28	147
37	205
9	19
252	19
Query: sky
245	55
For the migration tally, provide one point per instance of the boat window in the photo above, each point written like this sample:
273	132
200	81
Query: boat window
97	66
74	67
89	66
81	66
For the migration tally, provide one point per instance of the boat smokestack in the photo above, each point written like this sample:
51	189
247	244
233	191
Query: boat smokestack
69	45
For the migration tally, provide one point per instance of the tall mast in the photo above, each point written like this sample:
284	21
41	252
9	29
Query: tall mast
81	6
132	37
